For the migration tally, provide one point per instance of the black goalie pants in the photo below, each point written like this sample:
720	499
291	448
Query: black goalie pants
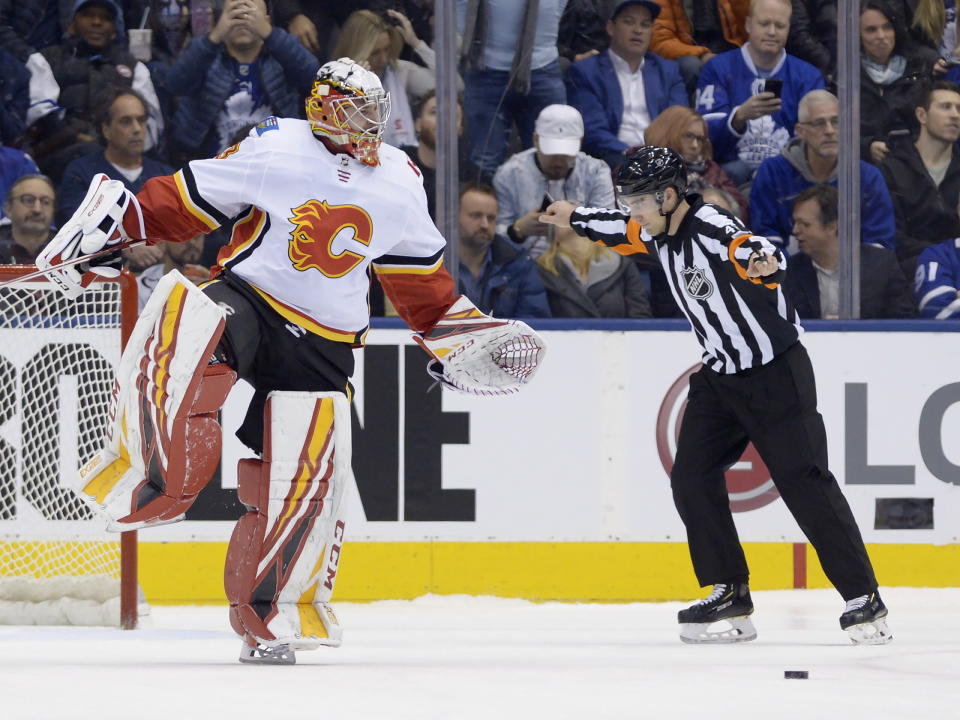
774	407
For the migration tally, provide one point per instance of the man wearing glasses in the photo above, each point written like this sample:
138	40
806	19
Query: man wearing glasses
29	206
808	159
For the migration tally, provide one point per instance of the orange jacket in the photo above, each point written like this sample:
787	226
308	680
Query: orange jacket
673	36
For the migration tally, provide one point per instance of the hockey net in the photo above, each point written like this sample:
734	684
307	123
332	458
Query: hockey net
58	565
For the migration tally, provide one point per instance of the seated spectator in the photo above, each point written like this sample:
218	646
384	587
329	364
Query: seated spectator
682	129
811	158
368	38
495	273
722	198
747	123
673	39
586	280
14	98
512	71
123	125
891	69
243	72
720	24
29	206
813	35
424	154
581	33
14	164
620	91
90	59
183	256
924	176
813	278
938	280
553	169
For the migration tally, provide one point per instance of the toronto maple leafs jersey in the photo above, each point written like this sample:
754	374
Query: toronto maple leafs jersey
311	224
741	322
727	81
938	280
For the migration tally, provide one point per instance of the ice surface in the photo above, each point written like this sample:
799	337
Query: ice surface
460	658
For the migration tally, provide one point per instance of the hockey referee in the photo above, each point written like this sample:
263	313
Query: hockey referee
756	385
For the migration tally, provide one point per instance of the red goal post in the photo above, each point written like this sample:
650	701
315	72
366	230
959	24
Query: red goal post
58	356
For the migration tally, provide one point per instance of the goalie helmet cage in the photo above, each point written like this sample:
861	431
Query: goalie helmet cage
58	565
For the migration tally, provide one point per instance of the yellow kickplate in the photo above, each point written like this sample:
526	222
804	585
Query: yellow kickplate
310	623
106	480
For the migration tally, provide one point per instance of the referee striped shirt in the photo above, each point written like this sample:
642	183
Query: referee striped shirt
741	322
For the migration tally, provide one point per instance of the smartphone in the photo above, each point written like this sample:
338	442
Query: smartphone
773	85
546	202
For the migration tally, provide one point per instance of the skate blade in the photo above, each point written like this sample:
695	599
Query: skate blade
264	655
740	630
870	633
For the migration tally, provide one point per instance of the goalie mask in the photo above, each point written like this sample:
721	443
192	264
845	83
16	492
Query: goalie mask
348	109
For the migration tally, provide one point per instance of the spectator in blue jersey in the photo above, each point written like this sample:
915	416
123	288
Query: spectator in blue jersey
554	169
495	273
123	125
14	164
937	281
813	274
924	176
747	123
811	158
620	91
244	71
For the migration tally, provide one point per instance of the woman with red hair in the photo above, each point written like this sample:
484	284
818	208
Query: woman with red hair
684	130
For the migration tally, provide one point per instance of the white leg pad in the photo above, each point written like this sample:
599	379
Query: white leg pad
163	439
284	554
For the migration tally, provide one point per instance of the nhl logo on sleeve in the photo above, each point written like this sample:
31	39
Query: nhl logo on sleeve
696	283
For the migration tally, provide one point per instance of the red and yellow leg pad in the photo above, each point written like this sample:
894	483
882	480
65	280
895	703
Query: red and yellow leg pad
163	441
284	554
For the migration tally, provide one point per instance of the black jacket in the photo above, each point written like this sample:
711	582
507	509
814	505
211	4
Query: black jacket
619	295
813	34
884	290
886	109
925	214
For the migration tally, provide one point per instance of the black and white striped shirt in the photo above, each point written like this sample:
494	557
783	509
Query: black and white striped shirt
741	322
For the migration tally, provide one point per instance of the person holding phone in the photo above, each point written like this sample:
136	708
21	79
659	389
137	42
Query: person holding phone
749	96
553	169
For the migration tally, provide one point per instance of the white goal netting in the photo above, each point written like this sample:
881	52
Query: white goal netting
57	357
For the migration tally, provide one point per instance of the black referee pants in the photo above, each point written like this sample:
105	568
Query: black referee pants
774	407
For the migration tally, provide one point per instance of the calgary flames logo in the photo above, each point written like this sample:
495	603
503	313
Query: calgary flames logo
316	226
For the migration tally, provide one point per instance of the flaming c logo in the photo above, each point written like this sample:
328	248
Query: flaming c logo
749	484
316	226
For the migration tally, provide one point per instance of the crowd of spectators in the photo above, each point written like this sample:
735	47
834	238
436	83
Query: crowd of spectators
553	93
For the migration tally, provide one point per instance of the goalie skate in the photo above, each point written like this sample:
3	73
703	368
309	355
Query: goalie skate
865	620
260	654
721	617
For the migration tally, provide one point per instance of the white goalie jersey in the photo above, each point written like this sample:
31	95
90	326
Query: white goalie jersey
311	224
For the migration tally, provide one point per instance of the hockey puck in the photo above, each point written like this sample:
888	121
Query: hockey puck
796	674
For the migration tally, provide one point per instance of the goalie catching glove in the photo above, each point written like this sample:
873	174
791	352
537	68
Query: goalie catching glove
481	355
95	226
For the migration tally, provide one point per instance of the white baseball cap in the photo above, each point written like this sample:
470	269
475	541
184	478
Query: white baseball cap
559	130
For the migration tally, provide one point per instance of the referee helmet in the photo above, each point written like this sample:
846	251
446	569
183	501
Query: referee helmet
651	170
